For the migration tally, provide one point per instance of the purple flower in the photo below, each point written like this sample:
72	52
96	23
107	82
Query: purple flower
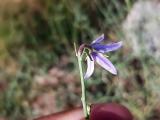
96	50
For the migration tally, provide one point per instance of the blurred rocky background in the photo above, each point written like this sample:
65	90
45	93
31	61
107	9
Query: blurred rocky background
142	28
38	68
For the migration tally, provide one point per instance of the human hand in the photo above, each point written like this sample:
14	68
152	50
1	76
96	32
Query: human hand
103	111
73	114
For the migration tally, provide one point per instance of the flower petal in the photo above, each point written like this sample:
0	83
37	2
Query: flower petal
104	62
90	68
98	40
107	48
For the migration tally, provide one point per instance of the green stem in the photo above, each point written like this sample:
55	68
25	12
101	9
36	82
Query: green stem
128	3
83	98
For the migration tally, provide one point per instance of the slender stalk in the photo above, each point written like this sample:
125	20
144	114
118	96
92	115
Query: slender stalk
128	3
83	97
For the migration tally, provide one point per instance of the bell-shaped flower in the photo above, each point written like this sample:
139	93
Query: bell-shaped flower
96	55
